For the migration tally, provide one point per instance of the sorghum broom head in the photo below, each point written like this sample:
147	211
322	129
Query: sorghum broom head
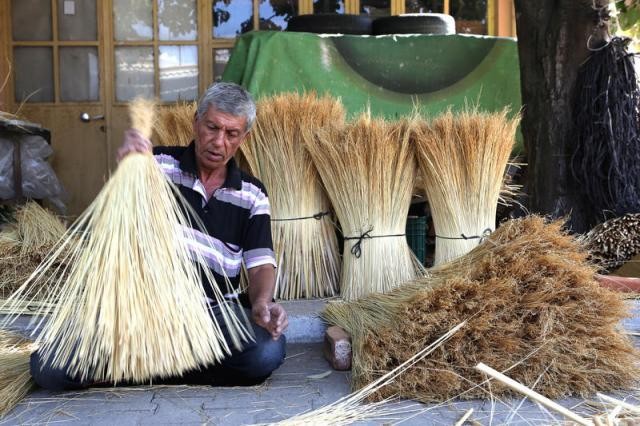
174	125
304	239
462	158
132	306
368	168
15	376
533	307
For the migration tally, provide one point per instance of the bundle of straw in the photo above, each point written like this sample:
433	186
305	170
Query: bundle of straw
15	379
24	243
532	308
174	124
304	238
463	158
368	169
132	306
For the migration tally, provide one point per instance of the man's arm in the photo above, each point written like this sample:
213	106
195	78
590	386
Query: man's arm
267	314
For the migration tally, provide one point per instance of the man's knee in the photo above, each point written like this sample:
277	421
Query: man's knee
260	359
49	377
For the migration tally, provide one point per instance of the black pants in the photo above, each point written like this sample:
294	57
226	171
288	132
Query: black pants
249	366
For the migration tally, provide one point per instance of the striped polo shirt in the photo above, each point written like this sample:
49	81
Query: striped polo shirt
236	217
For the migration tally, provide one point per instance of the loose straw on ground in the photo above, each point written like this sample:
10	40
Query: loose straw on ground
304	238
368	168
519	387
15	378
132	306
462	158
350	408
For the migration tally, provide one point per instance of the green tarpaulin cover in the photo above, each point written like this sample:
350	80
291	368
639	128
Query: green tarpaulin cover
387	73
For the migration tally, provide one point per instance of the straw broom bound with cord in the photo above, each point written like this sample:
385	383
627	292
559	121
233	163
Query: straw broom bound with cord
304	238
132	307
368	168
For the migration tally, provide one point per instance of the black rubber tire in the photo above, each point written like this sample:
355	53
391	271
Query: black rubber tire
419	23
331	23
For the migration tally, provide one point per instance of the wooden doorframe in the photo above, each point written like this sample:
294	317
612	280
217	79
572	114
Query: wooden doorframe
6	95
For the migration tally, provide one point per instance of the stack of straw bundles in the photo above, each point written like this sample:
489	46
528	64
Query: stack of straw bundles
174	124
463	157
304	238
132	306
368	168
24	244
15	379
532	306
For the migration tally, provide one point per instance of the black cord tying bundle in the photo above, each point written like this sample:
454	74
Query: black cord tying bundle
316	216
356	250
606	160
487	232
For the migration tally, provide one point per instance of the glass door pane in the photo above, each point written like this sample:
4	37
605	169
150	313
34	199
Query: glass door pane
424	6
375	8
470	15
134	73
29	26
79	74
328	6
33	74
177	19
274	14
178	73
132	20
232	17
77	20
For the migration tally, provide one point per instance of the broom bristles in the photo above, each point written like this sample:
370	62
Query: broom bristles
306	248
368	168
463	157
174	126
132	306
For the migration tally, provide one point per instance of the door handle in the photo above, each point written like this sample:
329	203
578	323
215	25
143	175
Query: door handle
85	117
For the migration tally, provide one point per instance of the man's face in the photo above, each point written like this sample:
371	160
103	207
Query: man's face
218	136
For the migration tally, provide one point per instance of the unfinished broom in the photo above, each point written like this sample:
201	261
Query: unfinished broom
533	309
463	157
304	239
15	378
174	124
132	306
368	169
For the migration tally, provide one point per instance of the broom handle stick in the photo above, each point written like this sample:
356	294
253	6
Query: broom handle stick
464	418
532	394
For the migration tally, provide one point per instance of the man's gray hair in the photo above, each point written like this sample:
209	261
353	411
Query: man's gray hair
229	98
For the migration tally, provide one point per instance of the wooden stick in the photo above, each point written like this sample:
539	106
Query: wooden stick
625	405
532	394
465	417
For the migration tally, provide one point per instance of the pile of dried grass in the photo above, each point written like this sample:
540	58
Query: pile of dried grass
173	125
368	168
532	308
304	239
463	158
24	244
15	377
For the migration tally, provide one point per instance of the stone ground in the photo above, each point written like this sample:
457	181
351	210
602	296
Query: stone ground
305	382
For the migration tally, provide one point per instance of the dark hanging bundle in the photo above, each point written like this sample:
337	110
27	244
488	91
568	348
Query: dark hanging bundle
606	162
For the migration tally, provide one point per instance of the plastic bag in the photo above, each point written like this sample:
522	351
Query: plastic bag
7	190
38	178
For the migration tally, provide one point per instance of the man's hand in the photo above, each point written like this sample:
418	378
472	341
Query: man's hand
133	142
270	316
